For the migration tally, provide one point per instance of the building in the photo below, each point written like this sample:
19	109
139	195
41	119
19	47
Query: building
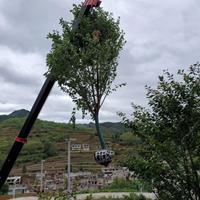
80	147
116	172
15	185
86	147
14	180
76	147
18	189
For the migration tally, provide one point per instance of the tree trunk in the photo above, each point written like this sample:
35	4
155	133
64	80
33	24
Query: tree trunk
99	133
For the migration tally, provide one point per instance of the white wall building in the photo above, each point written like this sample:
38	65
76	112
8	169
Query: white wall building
13	180
76	147
85	147
80	147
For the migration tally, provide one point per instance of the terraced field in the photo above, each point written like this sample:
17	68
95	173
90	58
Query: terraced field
47	141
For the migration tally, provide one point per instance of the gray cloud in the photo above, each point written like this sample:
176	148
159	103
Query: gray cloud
29	22
9	75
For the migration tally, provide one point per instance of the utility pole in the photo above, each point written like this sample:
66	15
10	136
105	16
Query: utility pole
68	168
14	188
69	164
41	175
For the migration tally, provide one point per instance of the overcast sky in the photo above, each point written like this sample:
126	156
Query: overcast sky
160	35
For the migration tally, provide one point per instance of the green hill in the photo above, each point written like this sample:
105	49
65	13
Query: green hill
13	120
47	141
111	127
17	113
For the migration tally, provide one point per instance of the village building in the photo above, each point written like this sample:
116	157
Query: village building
117	172
76	147
80	147
15	185
13	180
86	147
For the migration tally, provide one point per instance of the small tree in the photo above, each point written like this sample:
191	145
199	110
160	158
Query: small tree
129	138
72	121
24	169
170	134
4	190
84	62
49	149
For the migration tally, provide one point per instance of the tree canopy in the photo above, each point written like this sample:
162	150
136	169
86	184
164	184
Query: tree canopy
170	134
84	61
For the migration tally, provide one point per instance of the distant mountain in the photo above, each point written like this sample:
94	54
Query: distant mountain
107	127
17	113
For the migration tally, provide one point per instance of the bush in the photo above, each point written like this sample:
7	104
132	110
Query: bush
124	185
50	149
4	189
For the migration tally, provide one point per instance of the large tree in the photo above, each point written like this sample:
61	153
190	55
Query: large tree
84	62
169	155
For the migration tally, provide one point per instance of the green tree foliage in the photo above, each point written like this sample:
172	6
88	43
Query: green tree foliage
126	185
170	135
128	138
4	189
72	121
50	149
63	196
132	196
24	169
84	61
115	137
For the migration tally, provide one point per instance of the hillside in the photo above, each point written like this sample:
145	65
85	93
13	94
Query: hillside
47	141
108	127
17	113
111	127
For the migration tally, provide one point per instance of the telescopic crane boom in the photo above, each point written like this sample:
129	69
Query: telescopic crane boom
37	106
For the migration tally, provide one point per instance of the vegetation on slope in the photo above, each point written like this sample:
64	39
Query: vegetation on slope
47	141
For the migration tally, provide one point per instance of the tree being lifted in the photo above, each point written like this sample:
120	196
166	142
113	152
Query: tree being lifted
84	61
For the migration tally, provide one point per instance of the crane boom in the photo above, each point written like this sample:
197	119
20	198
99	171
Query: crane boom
37	106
